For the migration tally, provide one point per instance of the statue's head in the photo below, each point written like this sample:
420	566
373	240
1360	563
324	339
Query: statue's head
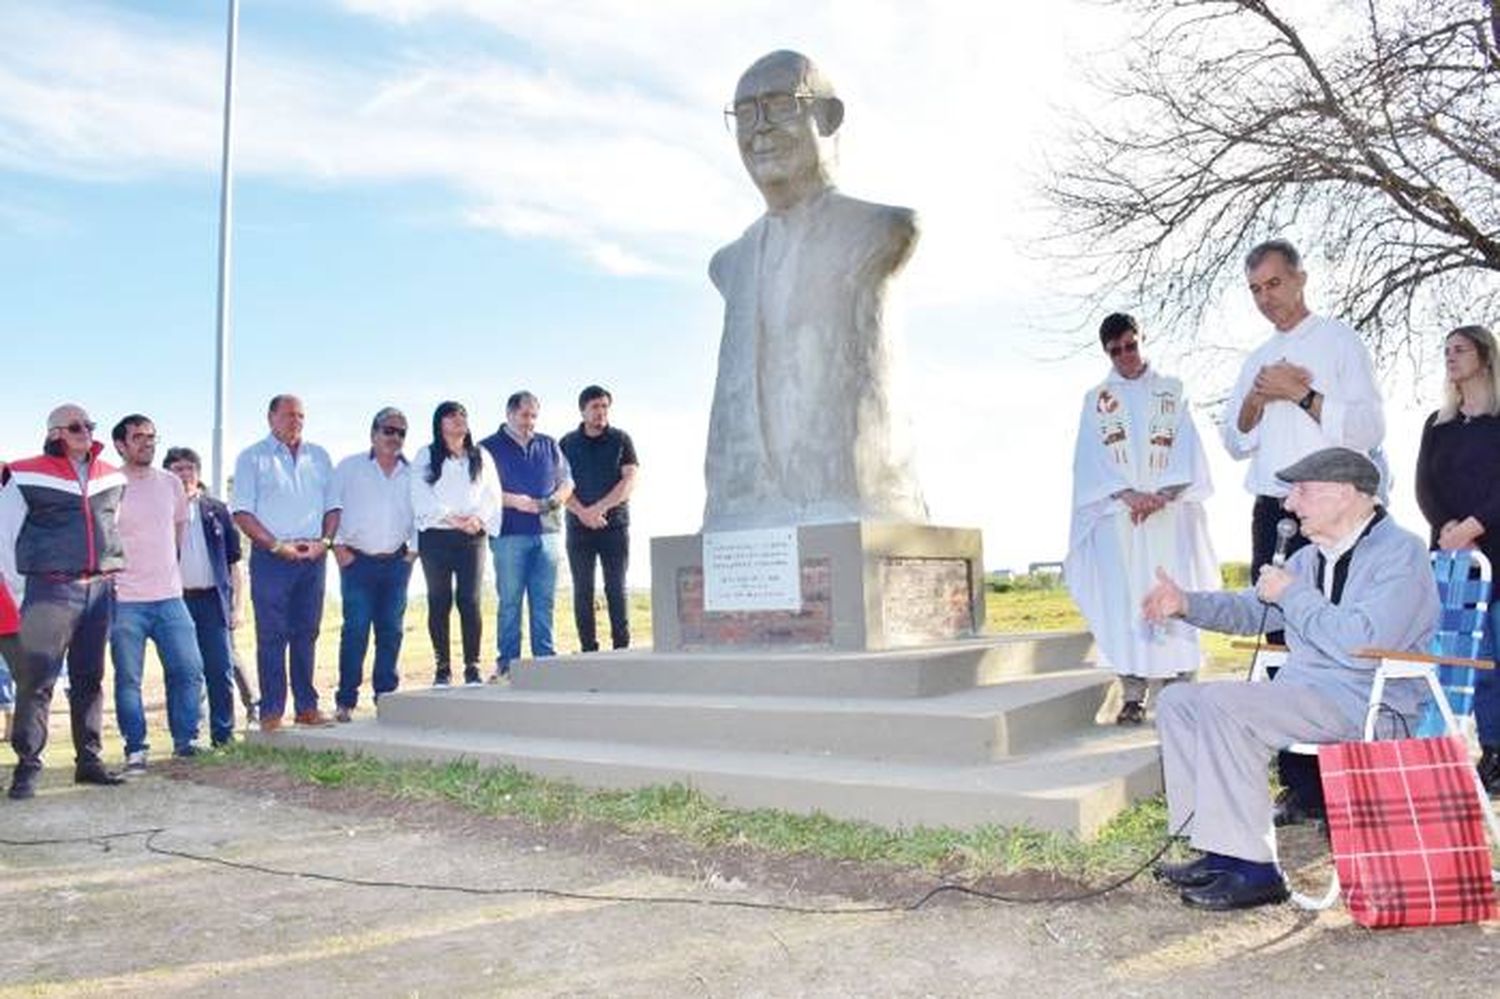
785	115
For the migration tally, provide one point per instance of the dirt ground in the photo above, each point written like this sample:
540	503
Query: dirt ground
77	919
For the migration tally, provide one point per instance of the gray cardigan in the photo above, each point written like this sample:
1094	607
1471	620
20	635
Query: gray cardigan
1389	601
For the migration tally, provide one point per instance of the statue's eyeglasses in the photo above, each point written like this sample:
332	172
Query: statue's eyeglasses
773	109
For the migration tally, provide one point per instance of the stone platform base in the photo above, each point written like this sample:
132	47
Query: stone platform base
985	731
865	586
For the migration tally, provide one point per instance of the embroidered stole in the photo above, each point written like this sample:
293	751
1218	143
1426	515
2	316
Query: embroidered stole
1154	542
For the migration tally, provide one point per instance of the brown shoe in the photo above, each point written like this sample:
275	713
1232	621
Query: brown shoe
269	724
313	719
343	715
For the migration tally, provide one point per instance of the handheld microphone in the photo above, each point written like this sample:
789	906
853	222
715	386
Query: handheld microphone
1286	530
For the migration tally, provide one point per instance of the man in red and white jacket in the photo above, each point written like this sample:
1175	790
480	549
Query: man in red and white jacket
59	541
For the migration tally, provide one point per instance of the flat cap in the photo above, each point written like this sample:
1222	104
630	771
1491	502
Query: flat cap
1335	464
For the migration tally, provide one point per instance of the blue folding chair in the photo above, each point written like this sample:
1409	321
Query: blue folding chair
1463	582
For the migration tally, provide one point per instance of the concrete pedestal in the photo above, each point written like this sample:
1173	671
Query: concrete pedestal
866	586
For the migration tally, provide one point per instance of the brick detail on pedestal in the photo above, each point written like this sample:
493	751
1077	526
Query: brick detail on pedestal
810	627
925	599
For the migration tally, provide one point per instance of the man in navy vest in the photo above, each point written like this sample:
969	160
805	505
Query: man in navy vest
213	587
536	485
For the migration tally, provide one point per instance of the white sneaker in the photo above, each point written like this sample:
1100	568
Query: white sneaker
135	763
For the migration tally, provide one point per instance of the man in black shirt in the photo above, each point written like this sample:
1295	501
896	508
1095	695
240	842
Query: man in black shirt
603	462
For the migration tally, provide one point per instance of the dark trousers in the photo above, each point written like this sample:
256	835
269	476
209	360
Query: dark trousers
611	548
453	565
288	601
61	621
1298	773
373	588
216	648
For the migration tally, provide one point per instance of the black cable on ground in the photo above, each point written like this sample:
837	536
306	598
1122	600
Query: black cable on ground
102	840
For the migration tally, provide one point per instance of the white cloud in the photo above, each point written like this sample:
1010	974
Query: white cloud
604	135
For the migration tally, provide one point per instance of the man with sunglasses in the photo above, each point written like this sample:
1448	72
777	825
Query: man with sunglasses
805	425
1139	481
58	538
375	546
1311	385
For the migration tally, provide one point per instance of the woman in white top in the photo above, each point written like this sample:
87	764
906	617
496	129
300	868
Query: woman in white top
455	496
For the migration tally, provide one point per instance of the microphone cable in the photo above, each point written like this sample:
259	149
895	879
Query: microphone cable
151	845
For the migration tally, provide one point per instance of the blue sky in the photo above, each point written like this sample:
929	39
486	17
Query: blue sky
458	198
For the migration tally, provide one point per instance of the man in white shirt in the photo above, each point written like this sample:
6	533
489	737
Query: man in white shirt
375	546
1310	386
1139	481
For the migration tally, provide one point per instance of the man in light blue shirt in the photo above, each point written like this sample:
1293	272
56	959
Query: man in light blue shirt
284	502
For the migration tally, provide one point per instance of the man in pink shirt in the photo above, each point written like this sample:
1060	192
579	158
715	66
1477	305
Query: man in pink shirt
149	601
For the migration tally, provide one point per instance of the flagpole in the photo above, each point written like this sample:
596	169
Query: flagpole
226	213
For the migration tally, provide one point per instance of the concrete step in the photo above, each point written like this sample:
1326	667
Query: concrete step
925	672
977	725
1077	787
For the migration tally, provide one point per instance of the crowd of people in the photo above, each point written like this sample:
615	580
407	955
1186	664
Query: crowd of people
95	554
1331	572
101	555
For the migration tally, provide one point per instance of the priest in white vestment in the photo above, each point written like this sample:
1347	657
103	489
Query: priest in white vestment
1139	480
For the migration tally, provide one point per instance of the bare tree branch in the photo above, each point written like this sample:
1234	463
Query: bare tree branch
1230	122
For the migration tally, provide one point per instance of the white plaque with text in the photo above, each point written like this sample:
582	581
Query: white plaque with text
752	570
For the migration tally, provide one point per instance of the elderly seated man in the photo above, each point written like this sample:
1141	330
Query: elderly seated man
1363	582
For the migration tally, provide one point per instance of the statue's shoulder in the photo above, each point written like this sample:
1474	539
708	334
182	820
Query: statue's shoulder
897	223
724	261
889	232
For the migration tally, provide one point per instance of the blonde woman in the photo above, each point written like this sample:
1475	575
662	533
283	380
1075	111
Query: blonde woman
1458	467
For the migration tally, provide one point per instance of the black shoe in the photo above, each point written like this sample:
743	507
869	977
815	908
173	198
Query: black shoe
187	752
96	774
1233	890
472	677
443	677
1193	874
1132	713
23	785
1292	811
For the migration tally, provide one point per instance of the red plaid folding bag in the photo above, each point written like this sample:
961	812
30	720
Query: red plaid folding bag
1407	832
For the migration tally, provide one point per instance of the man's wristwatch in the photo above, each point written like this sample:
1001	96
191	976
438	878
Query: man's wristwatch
1306	402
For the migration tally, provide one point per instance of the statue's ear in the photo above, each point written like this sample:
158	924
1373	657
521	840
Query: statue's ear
828	112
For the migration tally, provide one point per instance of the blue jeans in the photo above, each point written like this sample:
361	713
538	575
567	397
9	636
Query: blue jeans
288	601
216	648
525	564
7	685
1487	690
374	595
168	624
